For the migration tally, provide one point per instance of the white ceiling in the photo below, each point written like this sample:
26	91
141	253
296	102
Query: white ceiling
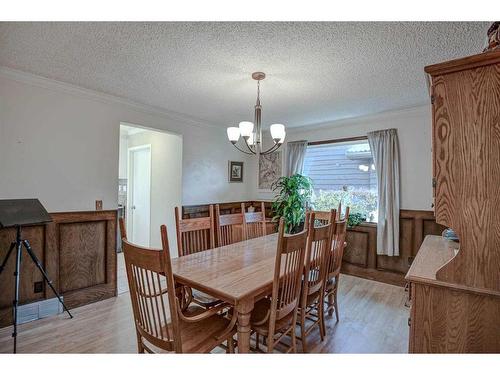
316	72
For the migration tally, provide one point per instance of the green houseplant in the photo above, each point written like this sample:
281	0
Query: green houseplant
292	195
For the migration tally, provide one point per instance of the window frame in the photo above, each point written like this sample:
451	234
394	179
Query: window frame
340	140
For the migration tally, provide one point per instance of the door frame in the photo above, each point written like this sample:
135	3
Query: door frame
130	221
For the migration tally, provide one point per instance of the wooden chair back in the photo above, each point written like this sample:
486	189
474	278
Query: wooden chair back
320	217
317	255
231	228
123	228
194	235
289	267
324	217
338	245
152	291
255	222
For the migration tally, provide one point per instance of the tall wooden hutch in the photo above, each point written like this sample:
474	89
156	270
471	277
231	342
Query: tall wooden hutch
455	289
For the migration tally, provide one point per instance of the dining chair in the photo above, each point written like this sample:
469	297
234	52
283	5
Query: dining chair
160	323
276	317
335	263
311	307
323	217
195	235
255	222
231	228
123	228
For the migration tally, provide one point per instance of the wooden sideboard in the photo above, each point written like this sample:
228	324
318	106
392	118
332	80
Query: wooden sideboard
360	257
447	317
78	251
455	297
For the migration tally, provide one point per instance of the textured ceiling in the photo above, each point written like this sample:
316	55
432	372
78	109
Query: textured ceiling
316	72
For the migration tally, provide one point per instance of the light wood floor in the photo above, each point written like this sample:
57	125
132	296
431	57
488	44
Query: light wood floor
373	319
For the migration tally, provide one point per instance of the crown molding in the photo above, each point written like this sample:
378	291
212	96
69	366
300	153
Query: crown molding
47	83
408	111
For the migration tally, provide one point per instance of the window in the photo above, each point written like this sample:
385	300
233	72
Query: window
343	171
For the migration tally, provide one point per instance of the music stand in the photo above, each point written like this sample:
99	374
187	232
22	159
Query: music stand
16	213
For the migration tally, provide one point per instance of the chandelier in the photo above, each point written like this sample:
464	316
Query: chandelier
251	132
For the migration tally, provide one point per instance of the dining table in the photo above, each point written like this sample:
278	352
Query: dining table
239	274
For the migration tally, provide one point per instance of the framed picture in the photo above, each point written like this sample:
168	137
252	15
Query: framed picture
269	169
235	171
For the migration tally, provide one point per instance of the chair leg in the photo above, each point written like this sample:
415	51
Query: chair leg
321	317
140	348
294	338
230	345
336	306
303	329
330	304
257	341
270	344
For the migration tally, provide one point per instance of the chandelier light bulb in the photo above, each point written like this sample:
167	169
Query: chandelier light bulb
251	140
282	139
246	128
277	131
233	134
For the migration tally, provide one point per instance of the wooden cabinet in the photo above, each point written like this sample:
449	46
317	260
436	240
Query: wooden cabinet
456	294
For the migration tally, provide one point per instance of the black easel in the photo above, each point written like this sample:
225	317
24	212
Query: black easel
16	213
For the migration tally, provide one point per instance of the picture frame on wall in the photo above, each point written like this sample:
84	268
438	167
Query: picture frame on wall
235	171
269	170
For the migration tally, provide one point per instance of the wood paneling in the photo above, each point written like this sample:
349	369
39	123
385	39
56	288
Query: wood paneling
414	225
360	254
357	249
88	268
201	210
361	259
78	251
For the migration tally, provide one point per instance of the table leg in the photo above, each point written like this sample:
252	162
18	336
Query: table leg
244	310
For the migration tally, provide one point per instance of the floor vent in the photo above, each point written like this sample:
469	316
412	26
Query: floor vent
38	310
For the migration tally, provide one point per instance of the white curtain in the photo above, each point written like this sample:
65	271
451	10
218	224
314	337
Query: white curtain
384	145
295	154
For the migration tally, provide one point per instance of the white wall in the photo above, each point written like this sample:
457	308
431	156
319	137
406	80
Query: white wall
166	187
123	147
60	143
414	132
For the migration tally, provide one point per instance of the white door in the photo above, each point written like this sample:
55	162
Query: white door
139	195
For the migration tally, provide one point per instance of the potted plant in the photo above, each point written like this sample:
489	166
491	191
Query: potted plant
292	196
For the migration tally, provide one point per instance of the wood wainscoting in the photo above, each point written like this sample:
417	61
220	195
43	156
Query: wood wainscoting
78	251
360	256
190	212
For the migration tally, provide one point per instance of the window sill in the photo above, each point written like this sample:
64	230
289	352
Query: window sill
368	224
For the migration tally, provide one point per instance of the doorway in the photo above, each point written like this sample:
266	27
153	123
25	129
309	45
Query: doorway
139	195
149	187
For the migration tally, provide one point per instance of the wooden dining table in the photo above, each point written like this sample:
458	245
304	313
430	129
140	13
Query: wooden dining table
239	274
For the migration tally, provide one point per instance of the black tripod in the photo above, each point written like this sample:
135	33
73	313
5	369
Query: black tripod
18	245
